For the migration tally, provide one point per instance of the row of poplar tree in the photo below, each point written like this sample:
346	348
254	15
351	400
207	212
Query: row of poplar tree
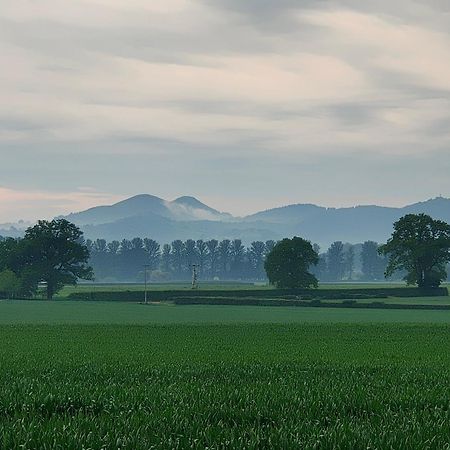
222	260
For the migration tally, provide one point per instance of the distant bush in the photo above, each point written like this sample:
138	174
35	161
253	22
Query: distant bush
239	301
349	302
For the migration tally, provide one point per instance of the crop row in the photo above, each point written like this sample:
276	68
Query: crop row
247	386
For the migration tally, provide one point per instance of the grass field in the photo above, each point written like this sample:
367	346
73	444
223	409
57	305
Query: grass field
229	386
79	375
66	312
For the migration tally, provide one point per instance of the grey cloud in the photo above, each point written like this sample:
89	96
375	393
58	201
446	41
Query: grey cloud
240	160
16	124
276	15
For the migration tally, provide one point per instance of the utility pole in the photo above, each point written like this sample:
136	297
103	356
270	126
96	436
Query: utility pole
194	276
146	266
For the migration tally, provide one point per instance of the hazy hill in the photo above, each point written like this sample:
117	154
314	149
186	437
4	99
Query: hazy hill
292	214
187	217
149	206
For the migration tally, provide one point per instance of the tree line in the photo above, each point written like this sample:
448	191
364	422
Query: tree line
223	260
215	260
418	250
55	254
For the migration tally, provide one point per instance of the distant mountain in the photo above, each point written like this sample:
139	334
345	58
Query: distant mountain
189	218
353	225
183	208
287	214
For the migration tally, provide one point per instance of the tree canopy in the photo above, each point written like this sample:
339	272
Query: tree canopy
287	265
420	246
54	252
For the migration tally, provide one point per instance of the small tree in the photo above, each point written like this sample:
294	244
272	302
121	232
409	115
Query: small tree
54	252
419	245
287	265
10	284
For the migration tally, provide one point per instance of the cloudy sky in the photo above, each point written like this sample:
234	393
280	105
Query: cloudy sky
244	104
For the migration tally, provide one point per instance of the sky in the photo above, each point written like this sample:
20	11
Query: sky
244	104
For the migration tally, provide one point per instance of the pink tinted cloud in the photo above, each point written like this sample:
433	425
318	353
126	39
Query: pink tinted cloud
39	204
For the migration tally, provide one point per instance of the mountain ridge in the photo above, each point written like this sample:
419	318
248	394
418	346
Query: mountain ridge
187	217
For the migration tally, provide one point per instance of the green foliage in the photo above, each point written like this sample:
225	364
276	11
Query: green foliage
336	261
10	284
241	386
54	252
287	265
373	265
136	295
420	246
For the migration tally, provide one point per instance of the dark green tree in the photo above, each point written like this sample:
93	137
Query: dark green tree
190	255
420	246
237	254
270	244
224	250
288	264
177	256
320	269
349	262
10	283
166	259
372	264
202	251
256	257
212	256
153	252
113	247
336	261
54	252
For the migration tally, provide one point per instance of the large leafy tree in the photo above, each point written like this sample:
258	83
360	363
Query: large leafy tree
287	265
420	246
54	252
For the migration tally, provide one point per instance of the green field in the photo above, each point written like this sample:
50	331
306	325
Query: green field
66	312
79	375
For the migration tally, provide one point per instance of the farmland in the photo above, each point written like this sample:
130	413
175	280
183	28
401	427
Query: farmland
217	386
106	313
124	375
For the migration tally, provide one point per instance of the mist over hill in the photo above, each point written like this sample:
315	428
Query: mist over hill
188	218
